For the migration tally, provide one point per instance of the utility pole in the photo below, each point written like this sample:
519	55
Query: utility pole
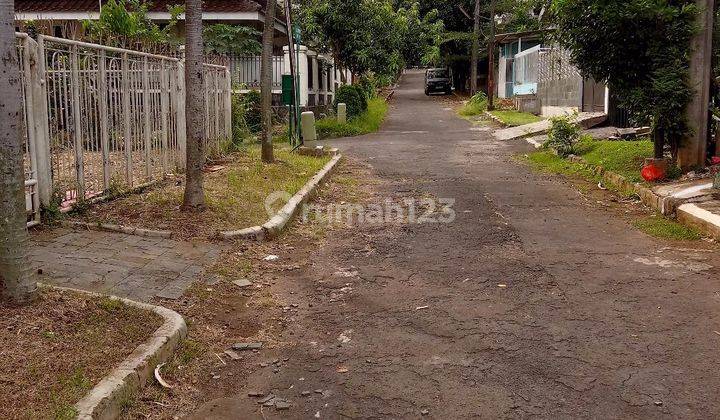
475	50
693	149
491	59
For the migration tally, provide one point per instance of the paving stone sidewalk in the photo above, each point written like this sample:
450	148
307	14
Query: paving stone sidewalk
128	266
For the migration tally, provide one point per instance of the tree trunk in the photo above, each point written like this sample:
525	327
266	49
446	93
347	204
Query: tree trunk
659	143
15	276
194	198
266	76
491	60
475	56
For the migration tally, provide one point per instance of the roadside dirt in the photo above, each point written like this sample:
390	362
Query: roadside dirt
57	348
537	300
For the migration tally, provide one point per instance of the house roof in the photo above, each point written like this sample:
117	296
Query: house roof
514	36
211	6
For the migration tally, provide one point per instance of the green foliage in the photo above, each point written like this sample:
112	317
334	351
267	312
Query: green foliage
645	61
231	40
124	23
563	135
475	106
369	84
660	227
354	97
240	130
423	34
514	118
253	111
367	122
372	36
622	157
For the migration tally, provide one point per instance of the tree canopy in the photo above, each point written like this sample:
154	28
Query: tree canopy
645	61
231	39
375	36
125	23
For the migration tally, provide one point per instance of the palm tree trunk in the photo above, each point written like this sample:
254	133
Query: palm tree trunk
266	76
15	276
194	198
475	56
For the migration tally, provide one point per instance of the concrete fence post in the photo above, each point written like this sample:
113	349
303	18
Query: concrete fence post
41	126
227	99
180	113
342	113
307	123
77	120
127	118
103	115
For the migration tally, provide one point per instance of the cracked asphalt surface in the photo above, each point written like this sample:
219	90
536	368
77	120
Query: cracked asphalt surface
539	304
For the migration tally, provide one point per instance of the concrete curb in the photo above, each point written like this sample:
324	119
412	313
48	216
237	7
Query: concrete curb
166	234
686	211
693	215
107	398
496	119
278	223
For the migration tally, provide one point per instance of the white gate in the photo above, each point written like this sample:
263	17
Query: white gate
101	119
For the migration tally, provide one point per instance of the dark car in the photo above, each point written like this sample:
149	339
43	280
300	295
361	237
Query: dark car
438	80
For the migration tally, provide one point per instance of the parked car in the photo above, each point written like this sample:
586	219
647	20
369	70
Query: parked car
438	80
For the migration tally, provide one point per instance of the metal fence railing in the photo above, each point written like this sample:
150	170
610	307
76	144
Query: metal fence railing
245	71
102	118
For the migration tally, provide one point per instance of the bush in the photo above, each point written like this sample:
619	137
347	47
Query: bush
354	97
367	122
253	114
239	125
369	85
563	135
476	106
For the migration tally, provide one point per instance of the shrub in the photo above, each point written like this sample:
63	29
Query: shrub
476	106
352	96
253	114
563	135
369	85
239	126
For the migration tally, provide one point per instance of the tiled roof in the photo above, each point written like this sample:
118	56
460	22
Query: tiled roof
213	6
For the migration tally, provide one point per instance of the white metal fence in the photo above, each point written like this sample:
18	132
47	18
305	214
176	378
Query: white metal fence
554	64
100	118
526	66
245	71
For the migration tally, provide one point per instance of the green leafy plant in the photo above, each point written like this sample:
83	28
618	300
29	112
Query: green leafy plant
475	106
354	97
564	133
231	40
252	109
650	73
124	23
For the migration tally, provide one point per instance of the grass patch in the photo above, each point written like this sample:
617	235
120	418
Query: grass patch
60	345
622	157
549	162
661	227
472	109
515	118
235	196
365	123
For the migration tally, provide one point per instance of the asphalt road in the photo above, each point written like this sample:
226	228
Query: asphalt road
534	302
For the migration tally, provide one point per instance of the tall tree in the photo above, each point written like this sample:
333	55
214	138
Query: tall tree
491	59
645	62
194	198
475	54
15	274
266	76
